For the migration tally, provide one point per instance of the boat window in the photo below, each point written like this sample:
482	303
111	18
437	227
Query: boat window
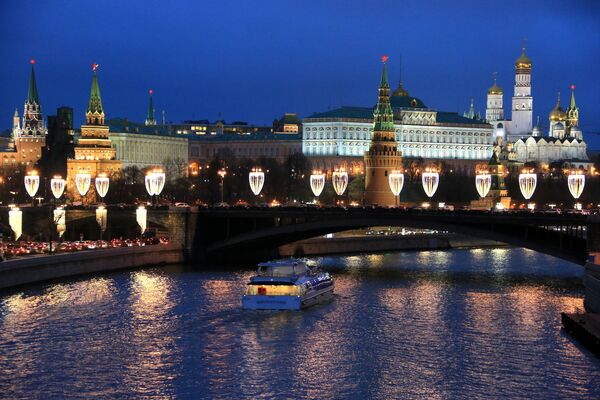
275	290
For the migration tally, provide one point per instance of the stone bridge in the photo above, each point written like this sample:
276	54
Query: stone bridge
256	233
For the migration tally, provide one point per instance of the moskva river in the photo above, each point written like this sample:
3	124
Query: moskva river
424	325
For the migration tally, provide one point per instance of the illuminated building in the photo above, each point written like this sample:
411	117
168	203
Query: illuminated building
383	155
29	133
564	141
203	149
143	145
289	123
341	136
94	153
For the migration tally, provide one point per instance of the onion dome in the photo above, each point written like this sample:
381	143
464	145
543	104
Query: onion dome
523	61
495	89
559	126
576	132
400	91
557	113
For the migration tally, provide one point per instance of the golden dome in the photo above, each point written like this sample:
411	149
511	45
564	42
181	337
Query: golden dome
523	61
495	89
557	113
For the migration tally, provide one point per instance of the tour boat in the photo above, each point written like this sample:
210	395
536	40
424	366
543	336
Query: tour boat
287	285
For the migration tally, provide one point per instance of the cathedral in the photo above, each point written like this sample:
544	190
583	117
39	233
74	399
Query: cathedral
29	133
564	140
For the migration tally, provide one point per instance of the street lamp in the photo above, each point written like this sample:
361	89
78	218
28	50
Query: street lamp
102	182
317	182
155	182
396	182
576	183
483	183
430	180
339	179
222	172
57	185
256	178
83	182
527	184
32	183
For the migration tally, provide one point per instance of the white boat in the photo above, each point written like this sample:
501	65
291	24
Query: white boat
287	285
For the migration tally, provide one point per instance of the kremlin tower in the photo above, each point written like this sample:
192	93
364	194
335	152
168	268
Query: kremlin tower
522	102
29	137
150	119
94	153
383	155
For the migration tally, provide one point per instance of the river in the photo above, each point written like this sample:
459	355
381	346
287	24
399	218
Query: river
431	324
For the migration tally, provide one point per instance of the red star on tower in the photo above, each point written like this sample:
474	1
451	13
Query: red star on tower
95	67
384	58
32	61
572	87
150	91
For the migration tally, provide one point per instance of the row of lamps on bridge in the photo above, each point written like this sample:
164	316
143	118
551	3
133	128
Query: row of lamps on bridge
154	182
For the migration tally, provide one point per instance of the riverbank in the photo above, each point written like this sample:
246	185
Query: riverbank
42	268
376	243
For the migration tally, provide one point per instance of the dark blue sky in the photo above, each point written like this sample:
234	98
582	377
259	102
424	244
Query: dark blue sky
255	60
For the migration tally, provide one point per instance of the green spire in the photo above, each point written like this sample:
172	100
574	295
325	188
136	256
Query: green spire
383	115
572	106
150	119
95	103
32	95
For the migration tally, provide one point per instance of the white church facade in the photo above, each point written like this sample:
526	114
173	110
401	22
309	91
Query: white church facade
564	141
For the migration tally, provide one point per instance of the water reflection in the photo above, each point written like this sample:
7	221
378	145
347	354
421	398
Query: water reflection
150	368
435	324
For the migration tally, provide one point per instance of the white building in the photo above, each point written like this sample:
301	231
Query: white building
146	146
420	132
564	141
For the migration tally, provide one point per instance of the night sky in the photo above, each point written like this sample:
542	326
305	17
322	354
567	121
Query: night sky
255	60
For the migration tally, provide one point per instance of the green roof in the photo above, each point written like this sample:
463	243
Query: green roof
367	113
95	103
406	102
124	125
32	94
346	112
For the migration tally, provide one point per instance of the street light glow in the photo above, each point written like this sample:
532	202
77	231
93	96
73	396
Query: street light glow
317	182
32	183
256	178
576	182
339	179
83	182
396	182
57	185
430	181
102	182
483	183
527	183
